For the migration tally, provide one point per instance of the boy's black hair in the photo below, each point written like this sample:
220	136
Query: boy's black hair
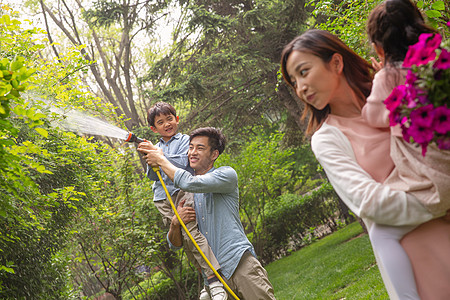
160	108
216	139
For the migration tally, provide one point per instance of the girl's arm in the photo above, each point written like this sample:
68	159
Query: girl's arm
374	111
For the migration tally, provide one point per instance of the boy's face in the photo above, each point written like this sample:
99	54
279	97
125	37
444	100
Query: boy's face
166	126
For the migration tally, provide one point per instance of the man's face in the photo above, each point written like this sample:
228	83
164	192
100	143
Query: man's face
166	126
201	159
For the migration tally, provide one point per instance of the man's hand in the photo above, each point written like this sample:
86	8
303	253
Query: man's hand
187	214
152	154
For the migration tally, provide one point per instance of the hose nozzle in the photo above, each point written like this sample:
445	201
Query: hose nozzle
132	138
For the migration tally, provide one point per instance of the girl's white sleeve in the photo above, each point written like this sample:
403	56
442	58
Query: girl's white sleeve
359	191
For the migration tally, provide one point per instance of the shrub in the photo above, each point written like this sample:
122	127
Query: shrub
293	222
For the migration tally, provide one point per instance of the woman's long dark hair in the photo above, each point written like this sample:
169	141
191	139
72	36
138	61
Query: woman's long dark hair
395	25
323	44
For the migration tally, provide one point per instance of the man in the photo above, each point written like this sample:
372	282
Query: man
216	199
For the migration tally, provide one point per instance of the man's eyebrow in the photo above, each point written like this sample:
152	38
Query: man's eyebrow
198	145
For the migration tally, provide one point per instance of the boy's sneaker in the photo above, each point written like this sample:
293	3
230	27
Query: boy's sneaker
204	294
217	291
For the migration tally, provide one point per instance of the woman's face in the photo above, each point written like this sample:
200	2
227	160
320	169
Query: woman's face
314	81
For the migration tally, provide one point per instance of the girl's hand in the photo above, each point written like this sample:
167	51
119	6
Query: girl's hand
377	65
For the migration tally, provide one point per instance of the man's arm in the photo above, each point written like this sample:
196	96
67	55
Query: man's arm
187	215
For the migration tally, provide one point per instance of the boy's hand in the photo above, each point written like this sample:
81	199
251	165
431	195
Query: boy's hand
146	145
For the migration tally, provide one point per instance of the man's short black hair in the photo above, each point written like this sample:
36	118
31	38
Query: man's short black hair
160	108
216	139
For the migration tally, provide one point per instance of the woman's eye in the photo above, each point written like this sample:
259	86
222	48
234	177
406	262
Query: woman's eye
303	72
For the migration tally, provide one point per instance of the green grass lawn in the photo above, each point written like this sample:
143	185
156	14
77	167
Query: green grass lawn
339	266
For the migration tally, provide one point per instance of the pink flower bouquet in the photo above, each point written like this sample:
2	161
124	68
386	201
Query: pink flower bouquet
421	105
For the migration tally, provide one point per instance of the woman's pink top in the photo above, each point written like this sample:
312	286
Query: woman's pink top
370	145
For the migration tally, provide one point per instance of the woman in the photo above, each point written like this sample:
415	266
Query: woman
333	82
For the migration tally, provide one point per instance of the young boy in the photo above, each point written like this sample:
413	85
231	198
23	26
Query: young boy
163	120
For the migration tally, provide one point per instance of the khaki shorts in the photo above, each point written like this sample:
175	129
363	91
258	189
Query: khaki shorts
250	281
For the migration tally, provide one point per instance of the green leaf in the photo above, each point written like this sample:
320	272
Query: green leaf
438	5
40	169
6	19
433	13
42	131
8	270
16	65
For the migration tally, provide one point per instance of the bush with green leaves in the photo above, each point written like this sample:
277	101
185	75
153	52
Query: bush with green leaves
290	220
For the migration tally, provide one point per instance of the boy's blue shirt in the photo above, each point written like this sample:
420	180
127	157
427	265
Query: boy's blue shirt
175	150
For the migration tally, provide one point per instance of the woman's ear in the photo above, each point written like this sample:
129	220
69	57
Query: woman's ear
337	63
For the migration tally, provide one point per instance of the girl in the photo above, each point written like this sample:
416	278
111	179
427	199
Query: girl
393	26
333	82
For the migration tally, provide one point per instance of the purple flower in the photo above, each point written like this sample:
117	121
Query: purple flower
411	78
443	62
441	120
444	143
410	96
431	40
423	51
395	98
421	133
421	130
405	133
394	118
423	116
421	97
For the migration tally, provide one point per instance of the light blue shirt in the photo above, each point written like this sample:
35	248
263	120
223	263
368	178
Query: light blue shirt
175	150
217	208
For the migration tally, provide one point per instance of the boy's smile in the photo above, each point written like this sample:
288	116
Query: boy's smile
166	126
